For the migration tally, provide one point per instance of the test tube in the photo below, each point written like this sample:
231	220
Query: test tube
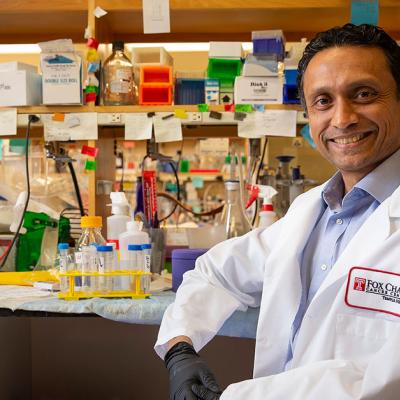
89	264
115	280
134	262
106	261
146	253
63	249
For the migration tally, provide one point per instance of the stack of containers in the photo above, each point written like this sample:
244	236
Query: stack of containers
155	75
261	82
189	87
224	65
290	89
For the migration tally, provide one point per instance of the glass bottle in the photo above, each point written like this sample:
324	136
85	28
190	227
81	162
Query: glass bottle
118	84
233	217
84	256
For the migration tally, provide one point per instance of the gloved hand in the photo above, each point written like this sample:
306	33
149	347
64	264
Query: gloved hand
189	376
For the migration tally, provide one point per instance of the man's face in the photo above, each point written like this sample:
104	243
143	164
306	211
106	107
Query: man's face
353	108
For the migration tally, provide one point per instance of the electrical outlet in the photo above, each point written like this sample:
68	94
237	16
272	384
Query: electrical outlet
115	118
195	117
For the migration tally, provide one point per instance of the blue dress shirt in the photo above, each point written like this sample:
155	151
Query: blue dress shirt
339	219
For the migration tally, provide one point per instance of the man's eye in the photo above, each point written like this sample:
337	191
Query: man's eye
365	94
322	102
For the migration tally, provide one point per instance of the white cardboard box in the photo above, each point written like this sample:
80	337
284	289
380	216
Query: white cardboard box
17	66
225	50
61	78
20	88
256	90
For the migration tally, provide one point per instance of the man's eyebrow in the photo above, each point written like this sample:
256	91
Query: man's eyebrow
351	87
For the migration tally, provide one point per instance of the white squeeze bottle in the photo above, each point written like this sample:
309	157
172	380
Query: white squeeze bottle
133	235
267	214
116	223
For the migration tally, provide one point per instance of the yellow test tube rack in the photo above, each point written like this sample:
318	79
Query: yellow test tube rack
136	292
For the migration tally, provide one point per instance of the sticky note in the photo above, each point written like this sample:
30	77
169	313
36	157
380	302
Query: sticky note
90	151
259	107
90	165
364	12
156	16
93	67
167	130
247	108
92	43
229	107
202	107
179	113
138	126
58	117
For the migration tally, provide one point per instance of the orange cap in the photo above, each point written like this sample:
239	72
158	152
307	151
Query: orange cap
91	222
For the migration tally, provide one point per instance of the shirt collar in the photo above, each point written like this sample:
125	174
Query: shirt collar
380	183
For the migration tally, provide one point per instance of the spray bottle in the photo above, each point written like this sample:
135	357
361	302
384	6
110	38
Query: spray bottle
116	223
267	216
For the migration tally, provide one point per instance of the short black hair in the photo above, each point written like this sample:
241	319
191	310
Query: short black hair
364	35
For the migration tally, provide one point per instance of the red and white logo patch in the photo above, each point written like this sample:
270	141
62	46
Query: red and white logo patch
373	289
359	284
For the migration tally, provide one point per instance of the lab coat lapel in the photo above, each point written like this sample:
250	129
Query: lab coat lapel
282	285
375	230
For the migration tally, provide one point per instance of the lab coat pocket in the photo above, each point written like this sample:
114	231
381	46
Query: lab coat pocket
359	337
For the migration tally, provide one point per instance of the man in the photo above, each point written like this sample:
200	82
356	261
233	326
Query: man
327	275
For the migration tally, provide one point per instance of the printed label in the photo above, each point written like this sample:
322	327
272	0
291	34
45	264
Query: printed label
373	289
147	259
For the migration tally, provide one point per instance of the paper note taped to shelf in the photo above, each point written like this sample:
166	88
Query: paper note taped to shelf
8	122
167	130
138	126
280	122
76	126
156	16
253	126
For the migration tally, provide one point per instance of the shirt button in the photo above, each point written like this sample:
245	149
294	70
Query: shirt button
324	267
339	221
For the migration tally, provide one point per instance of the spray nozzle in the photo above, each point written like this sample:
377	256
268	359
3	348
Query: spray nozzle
263	192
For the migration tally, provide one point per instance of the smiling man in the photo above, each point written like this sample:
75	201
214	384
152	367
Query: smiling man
324	330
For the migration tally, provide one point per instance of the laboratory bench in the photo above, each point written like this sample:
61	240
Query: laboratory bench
102	348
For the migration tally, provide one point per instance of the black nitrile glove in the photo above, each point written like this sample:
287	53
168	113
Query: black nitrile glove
189	376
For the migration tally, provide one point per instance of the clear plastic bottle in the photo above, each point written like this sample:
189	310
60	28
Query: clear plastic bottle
106	260
65	261
116	223
118	84
90	237
135	262
233	216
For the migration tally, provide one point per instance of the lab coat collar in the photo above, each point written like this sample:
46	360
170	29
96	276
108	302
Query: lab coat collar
376	229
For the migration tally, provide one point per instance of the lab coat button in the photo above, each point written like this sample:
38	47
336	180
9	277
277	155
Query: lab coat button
324	267
339	221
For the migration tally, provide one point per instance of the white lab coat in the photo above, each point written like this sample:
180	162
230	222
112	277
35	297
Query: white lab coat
341	352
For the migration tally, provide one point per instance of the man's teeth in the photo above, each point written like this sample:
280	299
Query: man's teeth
348	140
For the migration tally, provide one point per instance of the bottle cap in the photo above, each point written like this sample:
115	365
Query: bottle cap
91	222
118	45
105	248
267	207
134	247
63	246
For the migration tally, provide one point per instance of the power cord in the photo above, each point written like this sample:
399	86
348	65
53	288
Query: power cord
4	257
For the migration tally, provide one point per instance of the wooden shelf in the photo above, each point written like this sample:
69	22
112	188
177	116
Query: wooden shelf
31	21
135	109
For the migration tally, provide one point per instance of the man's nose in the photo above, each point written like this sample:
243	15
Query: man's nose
344	114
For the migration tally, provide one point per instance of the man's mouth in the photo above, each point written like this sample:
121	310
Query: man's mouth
351	139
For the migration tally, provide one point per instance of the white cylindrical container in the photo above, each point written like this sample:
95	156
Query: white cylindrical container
106	260
116	223
267	216
135	263
133	235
